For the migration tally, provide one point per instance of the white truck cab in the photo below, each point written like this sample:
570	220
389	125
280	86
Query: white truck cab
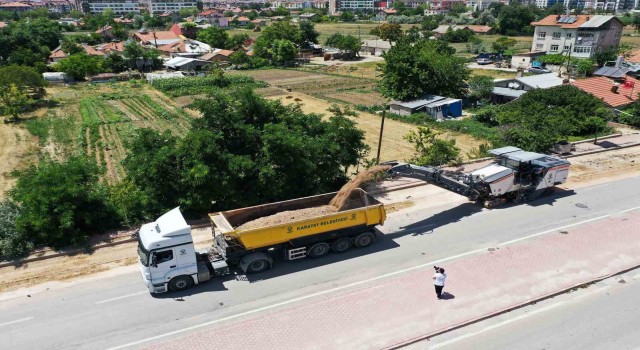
167	257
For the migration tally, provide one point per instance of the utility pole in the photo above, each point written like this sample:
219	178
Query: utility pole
380	138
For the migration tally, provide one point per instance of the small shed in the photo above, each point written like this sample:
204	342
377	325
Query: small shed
437	106
525	60
57	77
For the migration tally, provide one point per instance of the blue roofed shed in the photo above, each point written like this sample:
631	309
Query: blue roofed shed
437	106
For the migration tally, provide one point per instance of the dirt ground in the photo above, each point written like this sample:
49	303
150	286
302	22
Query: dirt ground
16	144
585	171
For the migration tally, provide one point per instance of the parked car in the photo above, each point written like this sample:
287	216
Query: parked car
538	70
483	61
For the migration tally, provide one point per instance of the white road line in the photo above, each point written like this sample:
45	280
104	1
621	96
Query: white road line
16	321
515	319
328	291
121	297
630	209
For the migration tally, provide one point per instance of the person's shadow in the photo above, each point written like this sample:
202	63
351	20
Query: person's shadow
447	296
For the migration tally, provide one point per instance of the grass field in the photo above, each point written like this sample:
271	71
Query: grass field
99	121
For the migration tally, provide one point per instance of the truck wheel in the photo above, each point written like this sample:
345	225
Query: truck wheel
180	283
258	266
341	245
318	250
364	240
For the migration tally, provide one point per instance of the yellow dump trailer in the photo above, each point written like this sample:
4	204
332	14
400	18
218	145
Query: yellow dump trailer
311	236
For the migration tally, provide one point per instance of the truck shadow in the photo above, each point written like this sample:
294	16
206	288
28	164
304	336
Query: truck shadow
214	285
427	226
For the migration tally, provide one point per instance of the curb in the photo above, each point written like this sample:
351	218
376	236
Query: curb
601	150
505	310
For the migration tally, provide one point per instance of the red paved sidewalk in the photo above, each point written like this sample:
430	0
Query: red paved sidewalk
392	311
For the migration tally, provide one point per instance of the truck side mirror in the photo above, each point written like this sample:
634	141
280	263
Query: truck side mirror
154	263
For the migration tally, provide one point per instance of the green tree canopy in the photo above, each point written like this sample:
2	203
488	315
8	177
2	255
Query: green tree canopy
412	70
480	88
308	32
245	150
277	31
214	36
60	203
388	31
347	43
503	43
515	19
81	65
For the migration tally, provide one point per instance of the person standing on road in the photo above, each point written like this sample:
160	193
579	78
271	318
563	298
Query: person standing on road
438	281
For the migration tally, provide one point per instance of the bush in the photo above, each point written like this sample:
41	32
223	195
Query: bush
13	243
61	203
203	85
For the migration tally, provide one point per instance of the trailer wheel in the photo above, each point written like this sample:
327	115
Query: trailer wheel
318	250
180	283
341	245
364	240
258	266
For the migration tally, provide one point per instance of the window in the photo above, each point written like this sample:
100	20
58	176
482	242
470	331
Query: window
566	48
539	47
556	35
582	49
163	256
569	35
542	35
554	47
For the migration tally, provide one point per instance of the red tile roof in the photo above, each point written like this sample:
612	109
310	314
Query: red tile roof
14	4
600	87
57	53
161	35
112	46
552	20
243	19
104	29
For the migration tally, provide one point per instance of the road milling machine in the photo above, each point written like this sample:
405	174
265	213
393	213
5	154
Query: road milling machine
515	175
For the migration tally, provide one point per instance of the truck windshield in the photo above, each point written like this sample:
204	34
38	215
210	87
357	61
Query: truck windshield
143	253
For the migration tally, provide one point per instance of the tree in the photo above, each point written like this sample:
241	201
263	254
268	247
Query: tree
308	31
432	150
13	244
347	43
115	63
607	55
412	70
236	41
502	44
388	31
61	203
347	16
480	88
81	65
27	79
514	19
240	59
276	31
188	11
214	36
13	101
282	51
70	48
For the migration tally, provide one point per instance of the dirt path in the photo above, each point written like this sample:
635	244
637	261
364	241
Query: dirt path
14	145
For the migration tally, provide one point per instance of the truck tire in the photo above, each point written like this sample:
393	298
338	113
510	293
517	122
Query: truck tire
318	250
341	245
180	283
258	266
364	239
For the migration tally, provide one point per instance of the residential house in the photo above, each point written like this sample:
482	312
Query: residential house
59	6
289	5
506	90
218	55
119	7
124	21
186	64
188	31
259	22
242	20
308	16
162	6
480	30
584	35
443	29
375	47
616	94
111	47
213	17
156	39
441	7
437	106
384	13
57	55
15	7
185	48
105	32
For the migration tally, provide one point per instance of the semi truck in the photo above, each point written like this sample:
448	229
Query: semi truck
169	261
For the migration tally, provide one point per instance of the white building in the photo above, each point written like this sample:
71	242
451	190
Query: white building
355	5
584	35
162	6
119	7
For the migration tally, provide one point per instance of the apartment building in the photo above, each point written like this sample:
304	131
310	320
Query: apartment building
119	7
584	35
163	6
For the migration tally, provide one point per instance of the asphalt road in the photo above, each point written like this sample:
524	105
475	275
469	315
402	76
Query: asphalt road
603	317
109	312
